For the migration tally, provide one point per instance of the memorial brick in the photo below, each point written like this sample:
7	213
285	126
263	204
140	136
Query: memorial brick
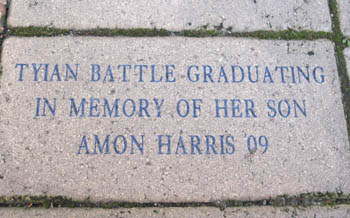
232	15
171	119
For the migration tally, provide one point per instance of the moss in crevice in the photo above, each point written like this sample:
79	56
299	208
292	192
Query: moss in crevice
285	35
302	200
49	31
139	32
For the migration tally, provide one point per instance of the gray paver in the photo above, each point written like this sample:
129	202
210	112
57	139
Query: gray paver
344	11
173	15
109	213
347	59
2	13
341	211
306	153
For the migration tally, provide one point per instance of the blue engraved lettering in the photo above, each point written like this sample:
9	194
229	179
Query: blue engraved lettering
196	78
162	144
267	75
76	110
98	145
305	75
210	140
95	73
234	74
282	68
271	106
321	76
72	73
133	107
218	108
55	73
280	108
195	141
158	106
222	74
181	145
143	108
154	80
93	107
115	144
36	71
249	107
196	106
84	145
229	141
256	73
301	109
107	108
21	70
140	71
109	74
187	108
138	144
207	71
125	67
169	73
236	107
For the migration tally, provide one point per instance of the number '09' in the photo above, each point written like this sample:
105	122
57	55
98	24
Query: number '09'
253	143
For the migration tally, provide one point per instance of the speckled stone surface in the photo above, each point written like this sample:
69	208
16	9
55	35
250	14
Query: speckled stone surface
2	13
201	212
48	155
341	211
344	12
347	59
233	15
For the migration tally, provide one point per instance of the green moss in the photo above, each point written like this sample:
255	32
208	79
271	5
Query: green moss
285	35
302	200
140	32
36	31
48	31
197	33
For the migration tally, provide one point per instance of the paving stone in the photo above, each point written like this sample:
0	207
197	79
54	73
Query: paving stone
341	211
109	213
344	11
242	212
84	130
2	14
234	15
347	58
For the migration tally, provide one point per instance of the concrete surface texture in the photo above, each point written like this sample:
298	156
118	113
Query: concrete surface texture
341	211
212	119
347	59
344	11
174	122
234	15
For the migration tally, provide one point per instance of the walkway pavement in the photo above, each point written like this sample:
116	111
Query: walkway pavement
175	108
